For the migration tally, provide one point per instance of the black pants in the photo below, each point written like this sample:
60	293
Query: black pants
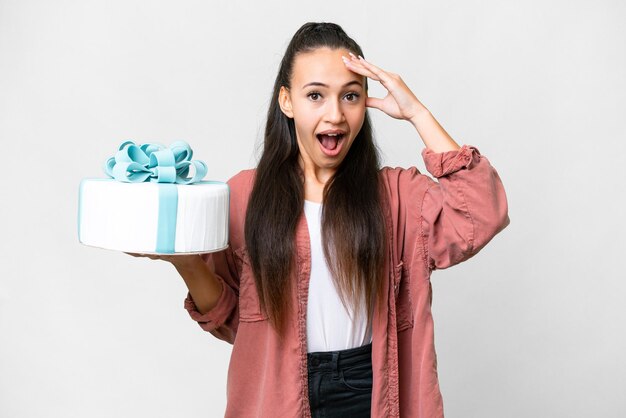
340	382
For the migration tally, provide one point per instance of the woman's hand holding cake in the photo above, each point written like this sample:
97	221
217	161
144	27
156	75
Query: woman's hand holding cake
200	280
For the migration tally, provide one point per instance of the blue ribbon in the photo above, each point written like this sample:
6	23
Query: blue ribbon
155	163
168	212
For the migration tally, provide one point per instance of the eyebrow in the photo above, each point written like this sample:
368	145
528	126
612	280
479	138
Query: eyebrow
317	83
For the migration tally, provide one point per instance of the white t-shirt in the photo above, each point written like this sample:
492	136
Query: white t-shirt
329	326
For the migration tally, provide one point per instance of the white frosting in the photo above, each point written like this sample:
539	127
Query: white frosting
124	216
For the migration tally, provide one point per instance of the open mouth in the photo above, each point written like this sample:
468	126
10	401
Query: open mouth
330	142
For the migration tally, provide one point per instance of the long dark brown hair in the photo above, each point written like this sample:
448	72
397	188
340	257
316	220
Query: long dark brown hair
353	232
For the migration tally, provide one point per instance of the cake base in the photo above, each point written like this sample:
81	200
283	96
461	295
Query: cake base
153	253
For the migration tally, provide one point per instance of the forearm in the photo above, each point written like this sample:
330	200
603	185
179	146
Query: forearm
434	136
204	286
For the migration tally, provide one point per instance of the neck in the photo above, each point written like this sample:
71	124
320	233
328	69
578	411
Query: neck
315	179
315	174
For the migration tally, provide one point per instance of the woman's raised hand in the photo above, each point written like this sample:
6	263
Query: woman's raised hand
400	102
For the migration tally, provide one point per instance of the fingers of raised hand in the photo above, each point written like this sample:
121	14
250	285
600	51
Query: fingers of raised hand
385	77
357	66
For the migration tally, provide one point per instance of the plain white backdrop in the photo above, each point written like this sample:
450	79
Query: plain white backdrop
533	326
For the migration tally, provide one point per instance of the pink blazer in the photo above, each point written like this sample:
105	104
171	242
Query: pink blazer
431	225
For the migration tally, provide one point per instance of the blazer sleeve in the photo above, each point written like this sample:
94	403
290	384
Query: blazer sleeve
221	321
464	209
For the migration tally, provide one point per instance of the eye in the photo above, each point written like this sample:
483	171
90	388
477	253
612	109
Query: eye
314	95
353	96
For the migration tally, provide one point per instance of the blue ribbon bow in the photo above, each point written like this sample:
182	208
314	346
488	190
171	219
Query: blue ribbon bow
155	163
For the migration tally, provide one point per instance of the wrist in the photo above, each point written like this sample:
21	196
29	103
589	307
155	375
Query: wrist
419	116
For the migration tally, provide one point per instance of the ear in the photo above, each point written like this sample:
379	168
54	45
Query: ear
284	101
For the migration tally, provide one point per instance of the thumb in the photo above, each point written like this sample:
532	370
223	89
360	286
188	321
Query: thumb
374	102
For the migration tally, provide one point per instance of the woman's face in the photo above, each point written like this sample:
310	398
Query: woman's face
327	103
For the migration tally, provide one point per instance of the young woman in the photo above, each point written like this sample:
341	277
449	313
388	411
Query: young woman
324	291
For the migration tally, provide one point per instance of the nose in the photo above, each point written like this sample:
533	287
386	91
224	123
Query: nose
334	113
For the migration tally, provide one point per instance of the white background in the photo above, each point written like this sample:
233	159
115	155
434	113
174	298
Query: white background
533	326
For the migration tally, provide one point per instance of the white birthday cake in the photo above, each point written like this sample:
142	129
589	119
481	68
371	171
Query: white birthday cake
149	204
